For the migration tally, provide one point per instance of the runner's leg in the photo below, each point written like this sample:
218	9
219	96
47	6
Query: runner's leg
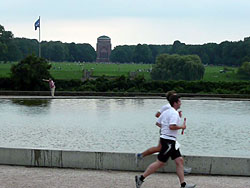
152	150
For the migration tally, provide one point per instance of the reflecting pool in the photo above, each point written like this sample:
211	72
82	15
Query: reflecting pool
214	127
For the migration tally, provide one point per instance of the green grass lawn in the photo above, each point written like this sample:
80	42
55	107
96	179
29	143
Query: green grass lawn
67	71
75	70
5	69
213	73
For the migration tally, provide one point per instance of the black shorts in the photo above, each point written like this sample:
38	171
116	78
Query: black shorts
168	150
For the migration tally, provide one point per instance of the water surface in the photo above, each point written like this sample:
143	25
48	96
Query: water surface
214	127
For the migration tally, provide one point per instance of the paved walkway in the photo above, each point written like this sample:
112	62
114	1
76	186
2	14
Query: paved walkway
29	177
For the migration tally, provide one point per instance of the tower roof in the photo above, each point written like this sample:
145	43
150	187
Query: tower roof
103	37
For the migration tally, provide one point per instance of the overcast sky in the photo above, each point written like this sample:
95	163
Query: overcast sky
128	21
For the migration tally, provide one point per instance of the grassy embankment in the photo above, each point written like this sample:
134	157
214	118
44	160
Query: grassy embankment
67	71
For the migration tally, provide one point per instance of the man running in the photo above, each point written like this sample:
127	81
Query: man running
139	156
170	124
155	149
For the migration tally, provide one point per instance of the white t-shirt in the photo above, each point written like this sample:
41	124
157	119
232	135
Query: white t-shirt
164	108
169	117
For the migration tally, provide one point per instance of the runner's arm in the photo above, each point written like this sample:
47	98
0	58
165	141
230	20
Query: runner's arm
157	114
177	127
163	108
158	124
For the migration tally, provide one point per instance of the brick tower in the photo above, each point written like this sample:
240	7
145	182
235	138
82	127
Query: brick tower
103	49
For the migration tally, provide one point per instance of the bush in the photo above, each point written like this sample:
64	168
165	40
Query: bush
28	74
6	84
244	70
177	67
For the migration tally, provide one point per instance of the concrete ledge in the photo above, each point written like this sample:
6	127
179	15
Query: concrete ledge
120	161
120	94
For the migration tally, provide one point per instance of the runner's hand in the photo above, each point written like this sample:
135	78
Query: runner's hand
180	114
184	126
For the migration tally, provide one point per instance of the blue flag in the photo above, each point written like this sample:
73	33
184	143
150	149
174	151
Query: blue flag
37	23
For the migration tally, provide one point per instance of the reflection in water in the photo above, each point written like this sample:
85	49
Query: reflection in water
32	102
102	105
138	102
31	106
121	102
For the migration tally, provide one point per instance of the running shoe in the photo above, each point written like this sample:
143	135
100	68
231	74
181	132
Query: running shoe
187	170
138	157
138	182
189	186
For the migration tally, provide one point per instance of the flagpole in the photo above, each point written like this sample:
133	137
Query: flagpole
39	38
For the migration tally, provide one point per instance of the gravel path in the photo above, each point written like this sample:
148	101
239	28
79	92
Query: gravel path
29	177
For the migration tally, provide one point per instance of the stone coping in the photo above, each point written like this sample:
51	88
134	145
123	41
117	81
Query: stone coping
120	94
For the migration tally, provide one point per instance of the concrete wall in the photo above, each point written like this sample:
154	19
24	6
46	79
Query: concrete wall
73	94
119	161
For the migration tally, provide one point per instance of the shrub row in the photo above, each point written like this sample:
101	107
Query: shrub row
139	84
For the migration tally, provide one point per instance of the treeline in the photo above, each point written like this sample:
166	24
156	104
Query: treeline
139	84
226	53
19	48
16	49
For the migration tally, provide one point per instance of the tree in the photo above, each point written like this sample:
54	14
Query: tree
244	70
177	67
142	54
159	49
122	54
28	74
5	37
19	48
54	51
86	52
14	54
179	48
58	51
